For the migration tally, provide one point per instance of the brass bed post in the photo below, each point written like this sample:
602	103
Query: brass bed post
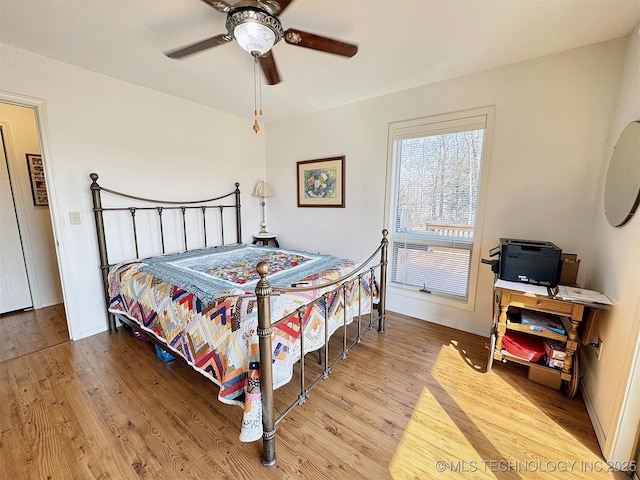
102	246
238	219
383	281
265	329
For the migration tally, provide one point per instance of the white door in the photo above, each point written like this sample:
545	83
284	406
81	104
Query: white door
14	284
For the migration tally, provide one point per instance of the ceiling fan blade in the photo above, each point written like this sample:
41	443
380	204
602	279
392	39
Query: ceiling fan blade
199	46
275	7
218	5
317	42
268	65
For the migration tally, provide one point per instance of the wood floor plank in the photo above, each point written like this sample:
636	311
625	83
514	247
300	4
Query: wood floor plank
90	443
13	447
25	332
414	403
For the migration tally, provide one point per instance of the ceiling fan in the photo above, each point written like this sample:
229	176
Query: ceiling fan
255	25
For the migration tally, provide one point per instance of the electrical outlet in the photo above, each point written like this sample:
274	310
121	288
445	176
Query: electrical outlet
599	348
74	218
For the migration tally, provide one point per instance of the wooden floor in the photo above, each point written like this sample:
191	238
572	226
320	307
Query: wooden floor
414	403
22	333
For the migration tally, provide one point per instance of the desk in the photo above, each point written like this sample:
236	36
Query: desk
581	318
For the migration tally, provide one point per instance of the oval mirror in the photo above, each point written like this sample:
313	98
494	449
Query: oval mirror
622	187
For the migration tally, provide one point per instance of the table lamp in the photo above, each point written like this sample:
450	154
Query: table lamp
263	190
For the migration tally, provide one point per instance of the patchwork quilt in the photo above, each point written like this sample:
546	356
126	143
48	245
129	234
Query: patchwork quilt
202	304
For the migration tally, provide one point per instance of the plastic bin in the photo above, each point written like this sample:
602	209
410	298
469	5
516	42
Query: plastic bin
163	355
522	345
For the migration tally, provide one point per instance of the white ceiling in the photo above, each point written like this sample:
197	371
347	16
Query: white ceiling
402	44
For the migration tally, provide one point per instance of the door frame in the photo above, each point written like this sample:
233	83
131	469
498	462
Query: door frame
70	304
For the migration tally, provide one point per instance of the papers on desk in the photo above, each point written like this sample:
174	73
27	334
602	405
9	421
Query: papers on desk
522	287
582	295
571	294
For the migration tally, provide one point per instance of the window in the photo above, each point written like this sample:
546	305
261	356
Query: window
436	167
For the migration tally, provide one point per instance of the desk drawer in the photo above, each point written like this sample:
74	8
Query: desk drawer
549	305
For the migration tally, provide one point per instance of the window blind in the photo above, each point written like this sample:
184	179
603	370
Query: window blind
437	167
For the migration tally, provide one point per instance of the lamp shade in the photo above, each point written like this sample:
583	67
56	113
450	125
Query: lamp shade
254	37
263	189
255	30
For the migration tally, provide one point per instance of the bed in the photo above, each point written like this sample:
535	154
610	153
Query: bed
228	309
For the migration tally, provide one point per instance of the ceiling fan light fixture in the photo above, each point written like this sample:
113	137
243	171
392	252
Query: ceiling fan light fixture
254	30
254	37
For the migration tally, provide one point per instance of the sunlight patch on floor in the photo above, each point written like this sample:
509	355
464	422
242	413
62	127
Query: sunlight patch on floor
478	425
419	457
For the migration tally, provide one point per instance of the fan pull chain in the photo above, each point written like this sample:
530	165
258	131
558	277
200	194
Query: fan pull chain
257	94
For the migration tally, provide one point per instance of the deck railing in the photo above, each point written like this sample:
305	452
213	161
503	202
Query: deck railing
450	230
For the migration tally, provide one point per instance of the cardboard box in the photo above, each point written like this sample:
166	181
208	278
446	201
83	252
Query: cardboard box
545	376
569	271
554	349
550	362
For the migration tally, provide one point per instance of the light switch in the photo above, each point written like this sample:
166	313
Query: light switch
74	218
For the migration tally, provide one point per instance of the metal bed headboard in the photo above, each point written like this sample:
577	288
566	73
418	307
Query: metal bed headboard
216	203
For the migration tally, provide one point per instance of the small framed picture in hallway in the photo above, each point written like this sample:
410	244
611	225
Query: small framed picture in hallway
36	175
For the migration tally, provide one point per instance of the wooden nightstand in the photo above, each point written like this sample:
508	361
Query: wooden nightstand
266	239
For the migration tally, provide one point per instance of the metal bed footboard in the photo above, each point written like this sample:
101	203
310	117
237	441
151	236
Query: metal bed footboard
366	272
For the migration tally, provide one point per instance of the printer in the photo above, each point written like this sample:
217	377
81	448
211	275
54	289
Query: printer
527	261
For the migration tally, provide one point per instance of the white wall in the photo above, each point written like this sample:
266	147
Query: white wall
552	134
35	221
553	116
132	137
611	385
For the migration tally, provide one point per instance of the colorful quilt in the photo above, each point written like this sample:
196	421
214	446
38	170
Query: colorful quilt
203	306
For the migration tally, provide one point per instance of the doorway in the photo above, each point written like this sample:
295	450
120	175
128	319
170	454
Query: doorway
30	283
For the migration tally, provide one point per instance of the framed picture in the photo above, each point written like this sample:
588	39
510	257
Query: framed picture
36	175
321	182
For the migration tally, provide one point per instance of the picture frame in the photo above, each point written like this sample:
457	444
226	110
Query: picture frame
321	182
36	176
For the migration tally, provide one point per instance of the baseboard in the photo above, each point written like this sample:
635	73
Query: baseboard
461	326
93	331
595	422
51	303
